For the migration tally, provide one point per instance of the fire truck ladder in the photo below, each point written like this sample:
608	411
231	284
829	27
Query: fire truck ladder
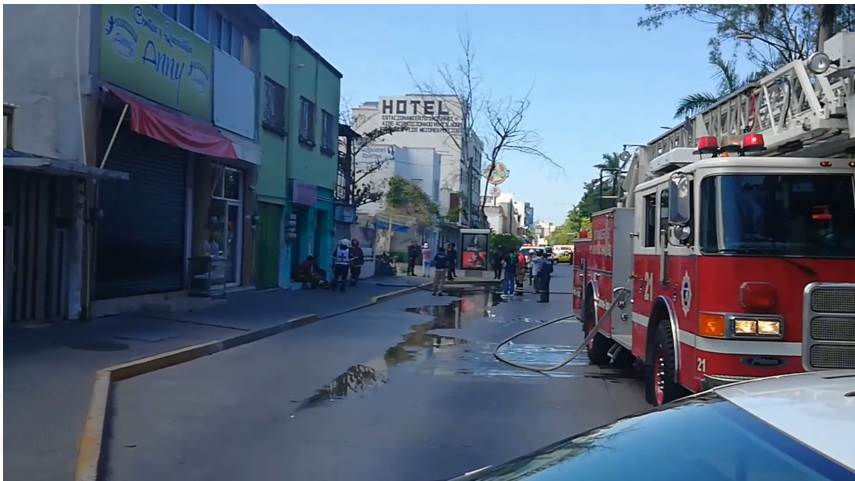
794	110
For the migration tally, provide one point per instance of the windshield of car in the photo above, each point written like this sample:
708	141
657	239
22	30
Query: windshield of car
705	439
800	215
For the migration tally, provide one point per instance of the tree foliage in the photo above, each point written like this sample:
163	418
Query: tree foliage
499	120
778	33
504	242
406	198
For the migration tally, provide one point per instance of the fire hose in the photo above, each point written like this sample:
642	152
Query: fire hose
619	297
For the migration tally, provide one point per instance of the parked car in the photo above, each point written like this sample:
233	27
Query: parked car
563	253
794	427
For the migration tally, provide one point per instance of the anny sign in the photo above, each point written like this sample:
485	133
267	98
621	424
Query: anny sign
146	52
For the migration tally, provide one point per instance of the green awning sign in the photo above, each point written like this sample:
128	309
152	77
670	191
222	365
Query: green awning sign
146	52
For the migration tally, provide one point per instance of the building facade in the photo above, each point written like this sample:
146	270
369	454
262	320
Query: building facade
156	118
300	137
435	123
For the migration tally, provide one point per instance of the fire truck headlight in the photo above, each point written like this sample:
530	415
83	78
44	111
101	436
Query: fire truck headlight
745	327
769	328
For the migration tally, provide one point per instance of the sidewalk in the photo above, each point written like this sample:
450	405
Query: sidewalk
49	372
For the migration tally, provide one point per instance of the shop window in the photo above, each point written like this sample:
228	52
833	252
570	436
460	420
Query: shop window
307	122
650	220
275	117
231	184
329	133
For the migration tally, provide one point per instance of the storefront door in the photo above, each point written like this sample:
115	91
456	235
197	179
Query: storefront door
226	215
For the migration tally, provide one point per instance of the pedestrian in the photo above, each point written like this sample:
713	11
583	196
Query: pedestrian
520	277
545	276
357	258
529	266
452	261
413	254
426	257
536	266
496	260
510	265
440	265
341	264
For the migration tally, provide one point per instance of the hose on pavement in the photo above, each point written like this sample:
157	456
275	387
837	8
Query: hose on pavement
620	295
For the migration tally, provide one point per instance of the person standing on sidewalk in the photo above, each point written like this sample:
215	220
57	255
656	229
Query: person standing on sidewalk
440	264
341	265
496	261
426	257
452	261
357	258
510	264
536	266
413	254
545	275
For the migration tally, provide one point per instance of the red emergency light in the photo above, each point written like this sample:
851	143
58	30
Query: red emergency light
753	142
583	234
707	145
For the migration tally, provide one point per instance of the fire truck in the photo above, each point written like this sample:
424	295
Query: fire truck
731	253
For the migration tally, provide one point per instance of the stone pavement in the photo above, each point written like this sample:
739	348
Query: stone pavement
48	372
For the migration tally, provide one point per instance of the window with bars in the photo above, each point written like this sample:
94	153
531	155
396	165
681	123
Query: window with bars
307	122
275	115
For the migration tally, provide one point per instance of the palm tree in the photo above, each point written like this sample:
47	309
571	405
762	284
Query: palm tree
728	82
612	166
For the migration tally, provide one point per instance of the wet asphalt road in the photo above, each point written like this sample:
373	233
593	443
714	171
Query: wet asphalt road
404	390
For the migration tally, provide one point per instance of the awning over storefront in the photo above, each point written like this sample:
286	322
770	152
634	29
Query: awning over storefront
175	128
13	159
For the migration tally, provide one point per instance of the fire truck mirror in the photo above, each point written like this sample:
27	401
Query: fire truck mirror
680	206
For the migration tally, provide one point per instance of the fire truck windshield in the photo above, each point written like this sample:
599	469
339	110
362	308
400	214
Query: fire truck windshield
798	215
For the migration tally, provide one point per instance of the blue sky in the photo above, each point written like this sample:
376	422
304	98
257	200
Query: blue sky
599	80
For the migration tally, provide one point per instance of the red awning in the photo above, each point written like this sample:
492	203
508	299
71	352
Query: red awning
175	128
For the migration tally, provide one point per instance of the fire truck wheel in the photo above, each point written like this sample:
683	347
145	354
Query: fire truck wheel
598	349
660	387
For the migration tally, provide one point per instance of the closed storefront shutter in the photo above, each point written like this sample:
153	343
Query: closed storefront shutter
141	234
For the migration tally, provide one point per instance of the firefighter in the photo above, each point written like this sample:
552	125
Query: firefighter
341	265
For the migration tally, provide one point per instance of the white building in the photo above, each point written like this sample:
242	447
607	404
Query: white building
420	166
433	123
505	215
542	231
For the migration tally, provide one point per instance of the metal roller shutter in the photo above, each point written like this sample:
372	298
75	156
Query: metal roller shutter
141	235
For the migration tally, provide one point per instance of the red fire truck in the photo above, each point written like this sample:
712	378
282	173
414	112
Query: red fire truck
735	258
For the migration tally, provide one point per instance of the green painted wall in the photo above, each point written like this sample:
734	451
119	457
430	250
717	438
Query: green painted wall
272	183
316	82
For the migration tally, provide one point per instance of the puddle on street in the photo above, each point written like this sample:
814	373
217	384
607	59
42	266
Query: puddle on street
451	356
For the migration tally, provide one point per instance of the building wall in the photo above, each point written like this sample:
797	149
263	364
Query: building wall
313	80
455	175
275	52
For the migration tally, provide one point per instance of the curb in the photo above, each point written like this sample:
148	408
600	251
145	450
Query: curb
89	451
399	292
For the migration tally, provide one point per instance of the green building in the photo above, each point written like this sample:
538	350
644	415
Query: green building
299	99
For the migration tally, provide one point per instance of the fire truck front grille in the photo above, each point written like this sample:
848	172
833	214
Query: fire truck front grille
828	340
833	328
826	356
833	300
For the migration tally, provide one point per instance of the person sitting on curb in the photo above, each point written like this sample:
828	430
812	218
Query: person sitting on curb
440	264
310	275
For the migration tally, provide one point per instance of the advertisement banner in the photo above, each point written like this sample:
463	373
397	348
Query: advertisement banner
474	251
147	53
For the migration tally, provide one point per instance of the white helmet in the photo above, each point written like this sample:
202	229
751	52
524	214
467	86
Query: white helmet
344	242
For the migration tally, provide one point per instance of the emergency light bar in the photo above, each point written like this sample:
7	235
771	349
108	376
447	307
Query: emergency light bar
750	142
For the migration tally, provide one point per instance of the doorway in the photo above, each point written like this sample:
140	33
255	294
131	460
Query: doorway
226	218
